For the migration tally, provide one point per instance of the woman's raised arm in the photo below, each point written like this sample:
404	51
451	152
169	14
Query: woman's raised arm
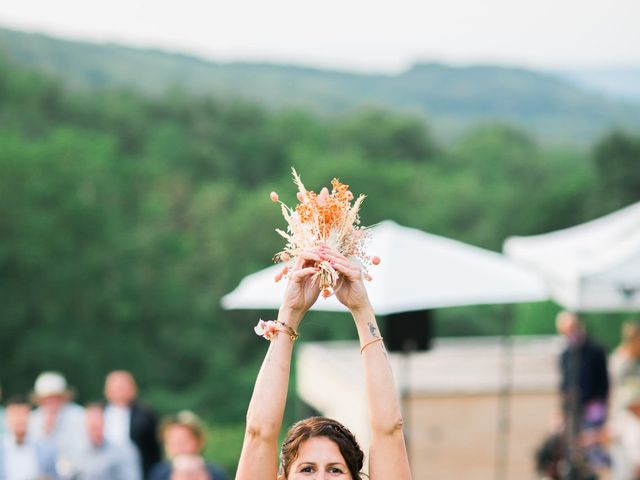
259	457
387	453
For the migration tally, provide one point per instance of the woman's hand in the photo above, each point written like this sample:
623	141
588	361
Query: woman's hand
300	294
350	290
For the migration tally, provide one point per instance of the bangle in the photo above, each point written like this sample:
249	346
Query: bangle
379	339
288	330
269	329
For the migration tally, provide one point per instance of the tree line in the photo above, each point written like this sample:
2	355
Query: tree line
124	219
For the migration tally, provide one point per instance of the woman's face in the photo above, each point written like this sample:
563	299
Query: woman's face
180	440
319	458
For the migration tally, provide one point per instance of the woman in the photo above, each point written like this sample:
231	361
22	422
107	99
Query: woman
320	448
624	363
624	422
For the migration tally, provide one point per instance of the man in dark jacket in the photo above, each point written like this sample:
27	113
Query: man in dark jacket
585	391
126	420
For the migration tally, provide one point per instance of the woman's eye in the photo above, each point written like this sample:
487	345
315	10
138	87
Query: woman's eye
335	470
307	470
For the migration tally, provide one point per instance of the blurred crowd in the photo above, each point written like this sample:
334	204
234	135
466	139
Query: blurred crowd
117	438
598	432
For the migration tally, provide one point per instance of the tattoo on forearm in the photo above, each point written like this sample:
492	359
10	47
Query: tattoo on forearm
373	329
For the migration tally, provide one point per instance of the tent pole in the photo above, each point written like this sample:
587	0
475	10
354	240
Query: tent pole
404	400
408	347
504	399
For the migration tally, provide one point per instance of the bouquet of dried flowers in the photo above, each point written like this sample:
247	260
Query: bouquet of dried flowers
325	218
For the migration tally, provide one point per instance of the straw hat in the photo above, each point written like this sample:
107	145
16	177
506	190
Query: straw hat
51	384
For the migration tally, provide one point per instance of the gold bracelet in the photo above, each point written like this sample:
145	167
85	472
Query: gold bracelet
369	343
288	330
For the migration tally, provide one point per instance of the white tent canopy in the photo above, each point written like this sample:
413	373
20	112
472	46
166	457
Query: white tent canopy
418	271
594	266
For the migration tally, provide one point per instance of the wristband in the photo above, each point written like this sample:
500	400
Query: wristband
379	339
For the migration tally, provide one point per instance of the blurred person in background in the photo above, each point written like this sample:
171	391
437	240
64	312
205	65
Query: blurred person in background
189	467
624	362
584	392
103	460
127	420
20	457
58	420
183	434
624	431
624	369
2	423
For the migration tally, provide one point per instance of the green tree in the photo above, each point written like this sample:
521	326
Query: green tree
617	163
385	136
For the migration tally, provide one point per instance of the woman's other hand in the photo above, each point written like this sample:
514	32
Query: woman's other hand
350	290
300	294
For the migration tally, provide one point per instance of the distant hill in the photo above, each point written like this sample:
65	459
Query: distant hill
452	98
622	83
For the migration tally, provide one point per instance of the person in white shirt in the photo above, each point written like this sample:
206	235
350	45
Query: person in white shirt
102	460
625	433
58	420
20	457
624	372
127	420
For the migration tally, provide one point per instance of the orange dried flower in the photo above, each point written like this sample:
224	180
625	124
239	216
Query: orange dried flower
326	218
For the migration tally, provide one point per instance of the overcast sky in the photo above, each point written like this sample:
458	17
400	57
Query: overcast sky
354	34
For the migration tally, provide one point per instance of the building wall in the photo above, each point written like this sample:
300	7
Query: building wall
453	401
455	436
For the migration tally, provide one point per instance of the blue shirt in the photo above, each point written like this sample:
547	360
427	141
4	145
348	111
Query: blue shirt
42	456
109	462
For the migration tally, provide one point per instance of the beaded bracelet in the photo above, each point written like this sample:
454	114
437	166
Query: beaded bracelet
289	331
269	329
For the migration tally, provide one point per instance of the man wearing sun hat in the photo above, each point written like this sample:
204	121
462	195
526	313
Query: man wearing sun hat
58	420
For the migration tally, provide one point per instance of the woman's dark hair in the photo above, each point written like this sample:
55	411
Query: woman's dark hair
322	427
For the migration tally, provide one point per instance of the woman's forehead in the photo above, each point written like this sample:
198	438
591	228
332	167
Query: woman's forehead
319	449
